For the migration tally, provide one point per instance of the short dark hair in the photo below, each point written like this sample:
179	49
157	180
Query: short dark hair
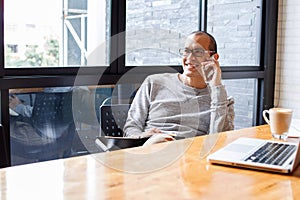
213	43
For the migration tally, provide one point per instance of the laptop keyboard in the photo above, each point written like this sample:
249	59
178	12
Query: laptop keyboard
272	153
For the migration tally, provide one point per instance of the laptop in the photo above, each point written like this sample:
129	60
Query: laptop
267	155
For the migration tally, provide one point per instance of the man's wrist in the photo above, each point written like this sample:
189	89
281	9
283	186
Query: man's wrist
218	93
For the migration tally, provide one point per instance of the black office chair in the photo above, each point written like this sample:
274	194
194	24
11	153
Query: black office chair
112	121
49	133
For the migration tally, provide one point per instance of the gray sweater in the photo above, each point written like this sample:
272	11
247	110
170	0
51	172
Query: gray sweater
165	103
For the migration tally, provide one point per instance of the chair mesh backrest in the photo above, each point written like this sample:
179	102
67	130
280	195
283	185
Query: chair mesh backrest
112	119
52	111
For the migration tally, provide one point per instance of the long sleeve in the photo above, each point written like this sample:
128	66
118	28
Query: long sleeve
222	111
165	103
138	112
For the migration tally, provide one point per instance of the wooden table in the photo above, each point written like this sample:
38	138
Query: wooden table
172	170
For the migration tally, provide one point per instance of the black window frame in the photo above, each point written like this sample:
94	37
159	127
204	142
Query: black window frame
65	76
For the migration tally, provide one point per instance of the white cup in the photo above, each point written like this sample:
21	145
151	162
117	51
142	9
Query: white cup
279	121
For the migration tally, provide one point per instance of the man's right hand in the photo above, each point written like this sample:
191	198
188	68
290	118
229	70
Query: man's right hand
151	132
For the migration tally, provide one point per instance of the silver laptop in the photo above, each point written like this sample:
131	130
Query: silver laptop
268	155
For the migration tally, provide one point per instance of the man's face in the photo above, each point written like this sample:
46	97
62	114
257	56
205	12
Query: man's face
195	44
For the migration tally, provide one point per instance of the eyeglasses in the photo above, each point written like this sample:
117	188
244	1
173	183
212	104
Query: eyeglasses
195	52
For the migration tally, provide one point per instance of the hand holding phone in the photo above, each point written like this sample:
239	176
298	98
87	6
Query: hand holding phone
211	71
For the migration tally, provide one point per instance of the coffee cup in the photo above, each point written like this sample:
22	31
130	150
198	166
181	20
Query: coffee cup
279	121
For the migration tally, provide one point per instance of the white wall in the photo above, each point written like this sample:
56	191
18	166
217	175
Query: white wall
287	88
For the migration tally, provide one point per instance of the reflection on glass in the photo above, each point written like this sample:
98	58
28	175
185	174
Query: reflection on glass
52	123
155	30
236	27
244	93
56	33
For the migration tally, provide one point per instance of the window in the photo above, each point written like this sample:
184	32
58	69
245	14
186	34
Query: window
237	33
57	33
55	122
165	24
107	44
244	93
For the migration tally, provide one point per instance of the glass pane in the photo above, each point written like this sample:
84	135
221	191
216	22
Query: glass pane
244	93
236	26
52	123
155	30
53	33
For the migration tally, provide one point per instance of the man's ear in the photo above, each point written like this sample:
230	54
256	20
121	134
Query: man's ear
215	56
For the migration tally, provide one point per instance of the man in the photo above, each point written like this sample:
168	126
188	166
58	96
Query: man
189	104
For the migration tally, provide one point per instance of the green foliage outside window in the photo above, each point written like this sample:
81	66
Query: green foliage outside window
49	56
